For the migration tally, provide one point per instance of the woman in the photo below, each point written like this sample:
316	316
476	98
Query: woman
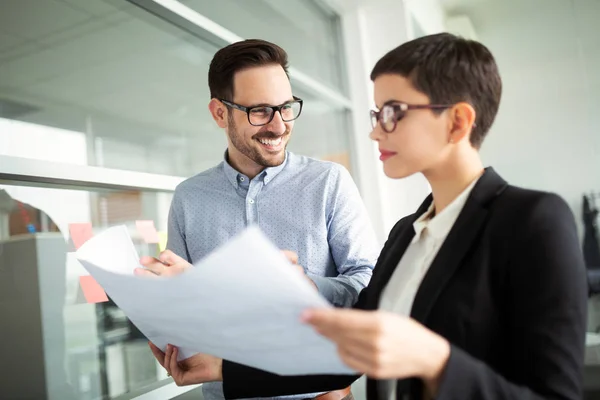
480	294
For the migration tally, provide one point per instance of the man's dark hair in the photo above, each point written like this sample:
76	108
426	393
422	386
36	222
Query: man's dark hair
449	69
237	57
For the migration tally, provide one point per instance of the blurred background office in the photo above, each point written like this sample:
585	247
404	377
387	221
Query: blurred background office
103	111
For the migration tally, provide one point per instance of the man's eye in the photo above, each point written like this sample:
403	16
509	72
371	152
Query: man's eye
260	111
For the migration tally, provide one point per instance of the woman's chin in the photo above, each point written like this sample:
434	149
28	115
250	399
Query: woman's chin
396	172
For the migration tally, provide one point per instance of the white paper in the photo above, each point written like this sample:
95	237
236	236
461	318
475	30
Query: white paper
241	303
112	250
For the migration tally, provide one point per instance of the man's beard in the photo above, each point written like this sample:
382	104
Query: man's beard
252	152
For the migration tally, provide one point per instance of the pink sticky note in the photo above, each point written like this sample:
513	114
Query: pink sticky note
92	291
80	233
148	231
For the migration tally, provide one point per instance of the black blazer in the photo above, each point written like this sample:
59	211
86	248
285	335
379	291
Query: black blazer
507	289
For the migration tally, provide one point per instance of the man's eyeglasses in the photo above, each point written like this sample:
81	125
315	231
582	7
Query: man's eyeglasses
262	115
393	111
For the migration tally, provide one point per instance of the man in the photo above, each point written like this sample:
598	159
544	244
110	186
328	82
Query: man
310	207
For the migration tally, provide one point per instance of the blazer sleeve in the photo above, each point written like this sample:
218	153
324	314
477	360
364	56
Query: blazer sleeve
240	381
545	300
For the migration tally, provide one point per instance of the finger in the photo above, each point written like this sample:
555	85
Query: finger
147	260
333	318
291	256
367	338
153	264
342	324
168	357
361	343
300	268
176	371
170	258
356	360
158	354
144	272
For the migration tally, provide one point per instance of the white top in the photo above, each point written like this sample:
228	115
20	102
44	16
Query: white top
430	233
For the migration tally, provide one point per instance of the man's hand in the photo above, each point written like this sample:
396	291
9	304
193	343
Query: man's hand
167	264
383	345
199	368
293	258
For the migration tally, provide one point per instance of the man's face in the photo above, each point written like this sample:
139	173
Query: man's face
261	86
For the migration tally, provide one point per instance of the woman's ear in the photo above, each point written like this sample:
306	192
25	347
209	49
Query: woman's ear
218	110
462	116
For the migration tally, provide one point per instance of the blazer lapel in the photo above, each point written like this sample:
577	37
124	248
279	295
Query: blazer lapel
387	263
458	242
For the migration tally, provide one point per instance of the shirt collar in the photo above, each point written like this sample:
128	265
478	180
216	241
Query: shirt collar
267	175
439	225
270	173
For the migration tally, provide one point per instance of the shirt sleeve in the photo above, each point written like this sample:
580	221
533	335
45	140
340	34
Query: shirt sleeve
176	231
351	241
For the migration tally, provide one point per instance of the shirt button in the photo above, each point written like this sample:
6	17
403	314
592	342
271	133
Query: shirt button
251	201
242	179
266	179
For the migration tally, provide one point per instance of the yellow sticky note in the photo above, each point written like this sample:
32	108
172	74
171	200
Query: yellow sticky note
162	241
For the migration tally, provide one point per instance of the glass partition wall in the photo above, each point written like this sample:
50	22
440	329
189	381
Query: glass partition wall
103	111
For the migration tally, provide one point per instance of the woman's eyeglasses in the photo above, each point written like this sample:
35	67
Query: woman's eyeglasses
394	111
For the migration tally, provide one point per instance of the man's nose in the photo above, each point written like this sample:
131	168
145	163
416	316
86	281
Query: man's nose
277	125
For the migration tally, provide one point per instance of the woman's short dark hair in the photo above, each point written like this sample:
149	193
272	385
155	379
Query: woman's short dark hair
449	69
239	56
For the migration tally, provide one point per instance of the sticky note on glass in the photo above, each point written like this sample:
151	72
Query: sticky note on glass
162	243
80	233
148	231
92	291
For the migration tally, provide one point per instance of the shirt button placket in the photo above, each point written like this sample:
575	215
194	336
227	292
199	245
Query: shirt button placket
251	203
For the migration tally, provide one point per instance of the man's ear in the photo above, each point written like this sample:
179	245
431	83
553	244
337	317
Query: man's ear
218	110
462	118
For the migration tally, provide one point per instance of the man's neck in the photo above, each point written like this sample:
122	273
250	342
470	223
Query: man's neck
243	164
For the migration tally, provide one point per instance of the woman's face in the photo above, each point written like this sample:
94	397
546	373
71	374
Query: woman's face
419	142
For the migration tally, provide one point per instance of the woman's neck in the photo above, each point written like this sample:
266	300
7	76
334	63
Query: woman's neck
451	178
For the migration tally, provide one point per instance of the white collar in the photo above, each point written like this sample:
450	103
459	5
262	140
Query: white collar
439	226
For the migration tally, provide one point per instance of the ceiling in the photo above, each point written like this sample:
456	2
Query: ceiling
103	59
450	5
109	67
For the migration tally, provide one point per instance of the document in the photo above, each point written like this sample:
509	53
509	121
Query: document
241	303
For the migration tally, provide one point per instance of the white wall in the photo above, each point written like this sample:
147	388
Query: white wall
547	133
372	28
429	14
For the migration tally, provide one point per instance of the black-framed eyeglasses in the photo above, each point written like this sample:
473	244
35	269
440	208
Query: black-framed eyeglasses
262	115
393	111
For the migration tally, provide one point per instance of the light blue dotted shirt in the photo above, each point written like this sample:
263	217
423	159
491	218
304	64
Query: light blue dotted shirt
305	205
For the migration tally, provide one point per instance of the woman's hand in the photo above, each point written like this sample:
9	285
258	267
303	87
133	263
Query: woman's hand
383	345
